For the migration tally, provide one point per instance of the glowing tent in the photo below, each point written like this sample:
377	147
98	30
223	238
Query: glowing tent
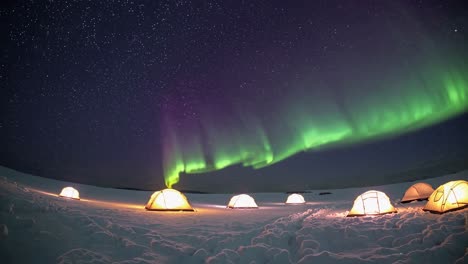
295	198
372	203
418	191
448	197
242	201
168	200
70	192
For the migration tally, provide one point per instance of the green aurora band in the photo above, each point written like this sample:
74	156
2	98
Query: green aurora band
372	108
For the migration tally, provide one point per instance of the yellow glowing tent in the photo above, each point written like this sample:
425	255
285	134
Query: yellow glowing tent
242	201
448	197
295	198
168	200
70	192
418	191
372	203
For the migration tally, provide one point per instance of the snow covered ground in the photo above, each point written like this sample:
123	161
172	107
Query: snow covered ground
110	225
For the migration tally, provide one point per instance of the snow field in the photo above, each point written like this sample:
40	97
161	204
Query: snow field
111	226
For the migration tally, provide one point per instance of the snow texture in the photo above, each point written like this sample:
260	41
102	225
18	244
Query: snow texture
111	226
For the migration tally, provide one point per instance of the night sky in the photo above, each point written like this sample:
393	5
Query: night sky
234	95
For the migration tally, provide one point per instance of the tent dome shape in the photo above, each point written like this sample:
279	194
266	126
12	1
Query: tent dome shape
450	196
295	198
242	201
168	200
372	203
417	191
70	192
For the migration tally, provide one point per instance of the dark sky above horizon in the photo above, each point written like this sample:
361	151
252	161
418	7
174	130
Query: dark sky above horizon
130	93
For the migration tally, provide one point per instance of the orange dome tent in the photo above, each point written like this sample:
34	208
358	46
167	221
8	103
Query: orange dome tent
168	200
418	191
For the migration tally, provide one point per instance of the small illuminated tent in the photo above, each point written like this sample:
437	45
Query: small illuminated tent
242	201
448	197
418	191
168	200
295	198
70	192
372	203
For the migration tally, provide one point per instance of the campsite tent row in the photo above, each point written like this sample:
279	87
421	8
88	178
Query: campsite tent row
173	200
450	196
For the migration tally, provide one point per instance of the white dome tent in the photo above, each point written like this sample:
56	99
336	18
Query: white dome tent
295	198
70	192
372	203
242	201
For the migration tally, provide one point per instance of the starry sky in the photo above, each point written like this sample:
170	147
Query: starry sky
223	96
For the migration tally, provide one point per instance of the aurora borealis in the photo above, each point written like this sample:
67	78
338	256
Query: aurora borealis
221	96
304	124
